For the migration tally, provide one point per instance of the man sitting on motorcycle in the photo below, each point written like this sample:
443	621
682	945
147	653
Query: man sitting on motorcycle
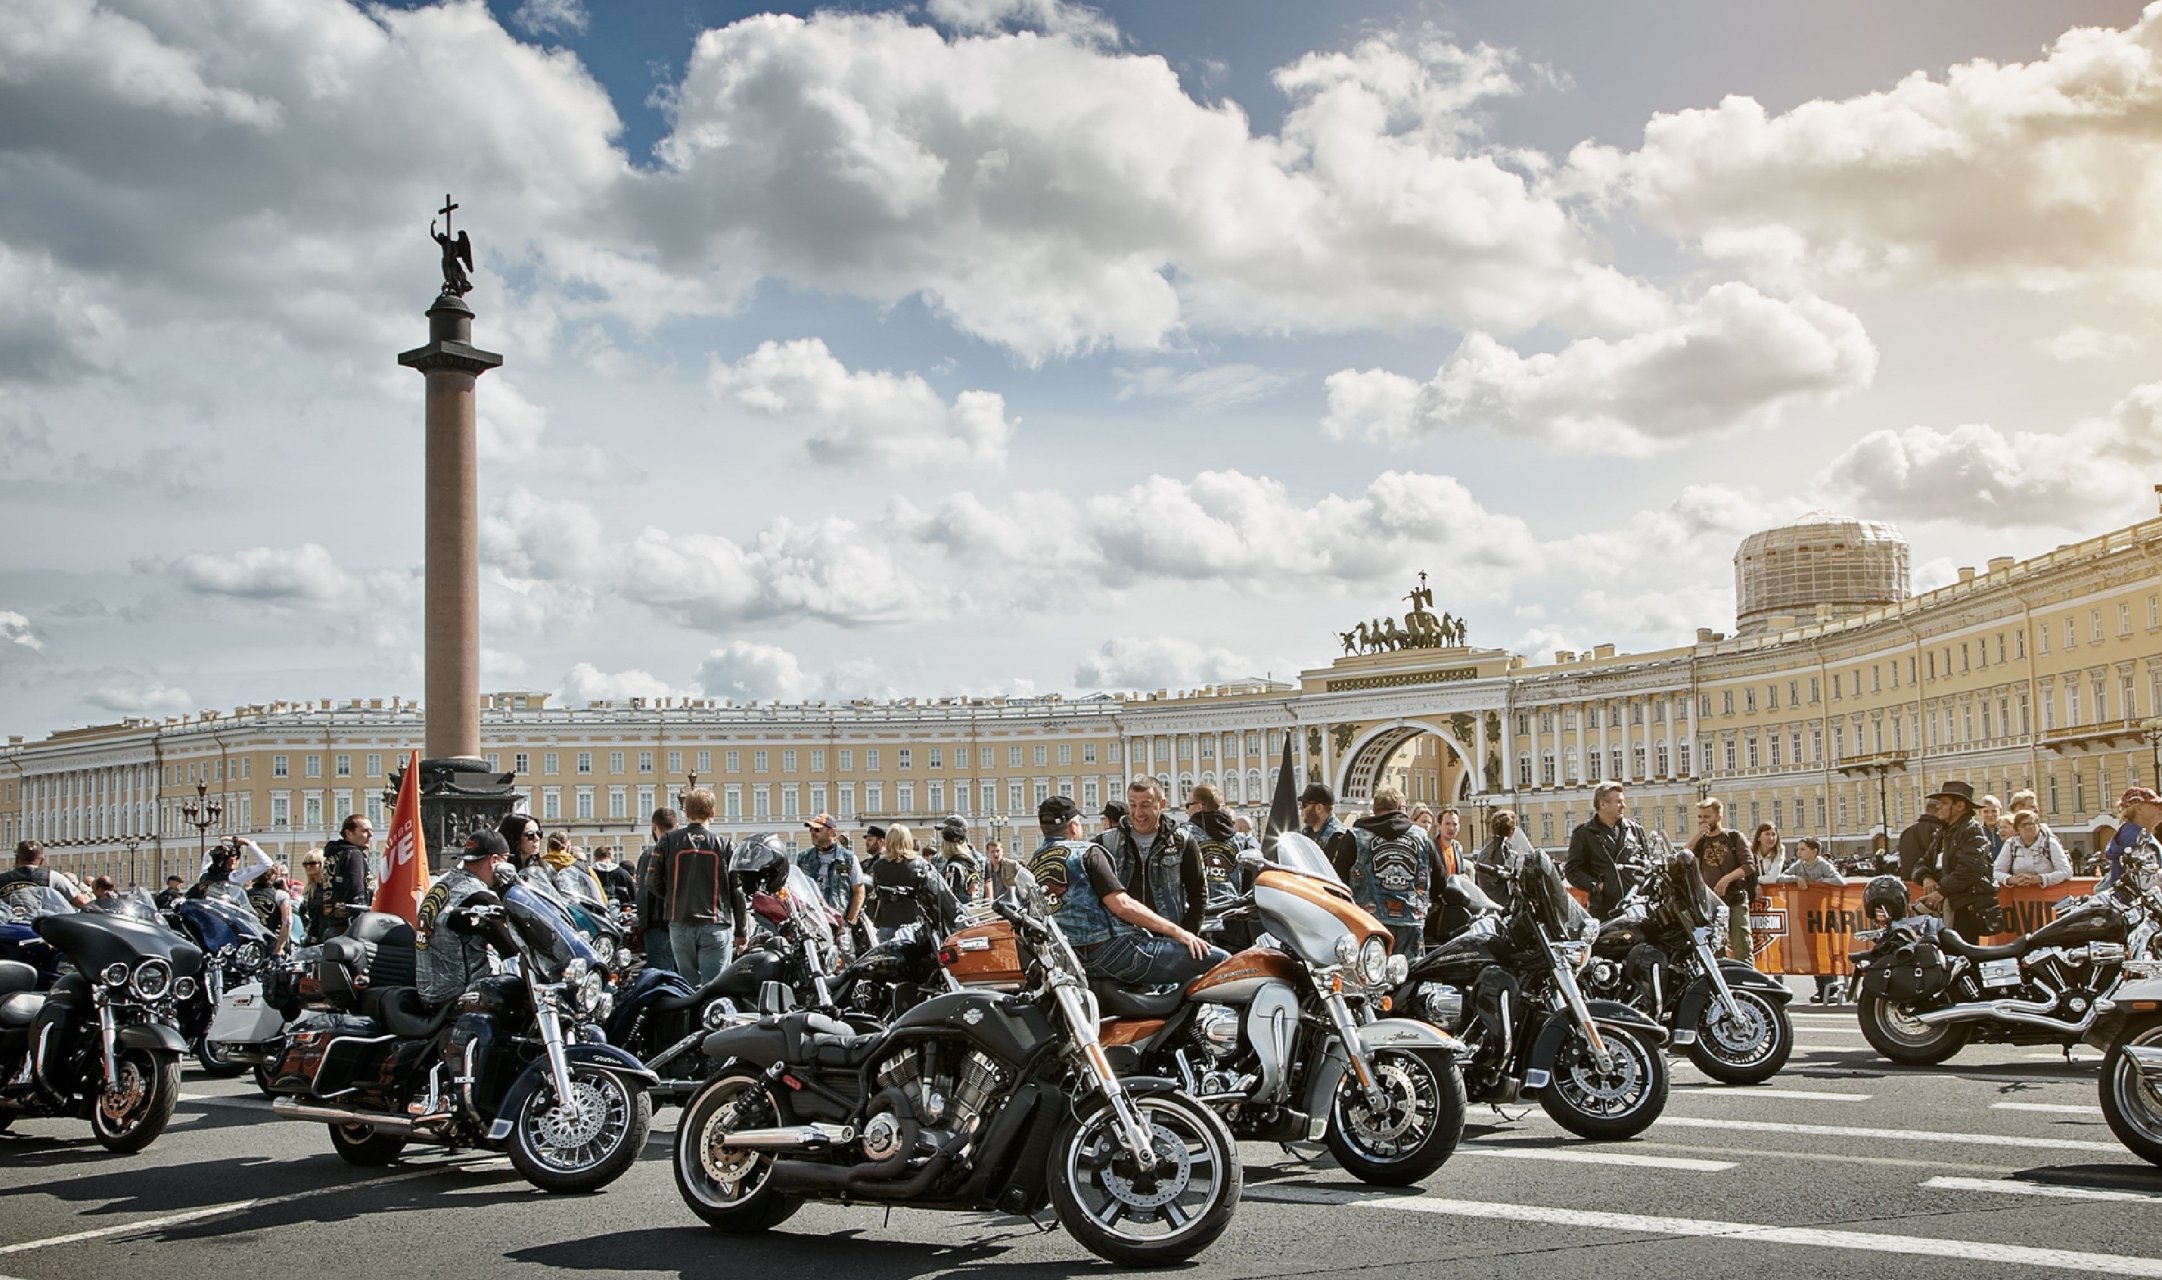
30	869
1118	938
1961	852
451	961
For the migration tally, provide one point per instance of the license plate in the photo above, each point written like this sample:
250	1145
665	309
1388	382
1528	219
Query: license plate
2000	973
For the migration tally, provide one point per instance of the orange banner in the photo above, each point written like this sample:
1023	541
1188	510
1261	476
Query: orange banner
405	853
1809	929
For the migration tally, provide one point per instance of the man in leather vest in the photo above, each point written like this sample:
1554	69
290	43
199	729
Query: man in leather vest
1724	860
834	869
30	868
1391	866
447	961
1216	839
1961	852
1156	859
1119	939
1317	815
345	861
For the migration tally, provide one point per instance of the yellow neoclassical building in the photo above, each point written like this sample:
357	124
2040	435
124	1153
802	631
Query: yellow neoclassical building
1838	703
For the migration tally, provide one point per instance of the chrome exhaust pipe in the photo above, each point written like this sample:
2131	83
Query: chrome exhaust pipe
1987	1009
802	1137
382	1122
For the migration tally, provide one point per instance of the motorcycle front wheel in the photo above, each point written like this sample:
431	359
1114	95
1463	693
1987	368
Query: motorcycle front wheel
731	1190
1618	1101
1896	1034
2130	1102
1747	1049
1151	1217
130	1111
1413	1132
584	1146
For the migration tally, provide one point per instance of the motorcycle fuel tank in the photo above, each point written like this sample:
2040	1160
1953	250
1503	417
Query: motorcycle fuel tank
2079	927
1236	980
1006	1029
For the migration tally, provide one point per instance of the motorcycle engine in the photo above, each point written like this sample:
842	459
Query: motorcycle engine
1442	1005
1216	1031
944	1102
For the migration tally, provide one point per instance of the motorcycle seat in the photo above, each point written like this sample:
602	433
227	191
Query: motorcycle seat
373	927
403	1013
1950	940
842	1051
21	1008
1126	1002
16	976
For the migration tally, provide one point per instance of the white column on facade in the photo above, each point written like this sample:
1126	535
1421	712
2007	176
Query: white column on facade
1478	765
1604	741
1673	759
1509	780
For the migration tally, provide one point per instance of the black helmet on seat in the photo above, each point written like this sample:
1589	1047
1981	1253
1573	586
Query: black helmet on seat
1887	894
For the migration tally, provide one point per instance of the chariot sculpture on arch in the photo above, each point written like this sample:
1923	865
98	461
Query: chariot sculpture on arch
1420	628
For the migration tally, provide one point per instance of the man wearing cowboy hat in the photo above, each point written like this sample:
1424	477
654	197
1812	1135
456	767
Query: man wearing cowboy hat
1961	853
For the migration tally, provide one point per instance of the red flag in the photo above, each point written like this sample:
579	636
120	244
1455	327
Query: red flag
405	853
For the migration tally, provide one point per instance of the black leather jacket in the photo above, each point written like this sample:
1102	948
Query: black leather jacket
1962	852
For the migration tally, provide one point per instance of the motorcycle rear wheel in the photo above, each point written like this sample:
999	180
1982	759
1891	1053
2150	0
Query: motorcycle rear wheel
560	1152
1152	1219
2132	1106
214	1062
1750	1055
1606	1106
1903	1040
361	1145
128	1114
731	1191
1415	1133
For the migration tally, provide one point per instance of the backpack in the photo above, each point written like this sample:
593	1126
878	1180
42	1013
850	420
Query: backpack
1402	876
1219	866
264	902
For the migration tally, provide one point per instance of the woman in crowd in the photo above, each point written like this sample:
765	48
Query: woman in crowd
906	889
2032	856
1771	855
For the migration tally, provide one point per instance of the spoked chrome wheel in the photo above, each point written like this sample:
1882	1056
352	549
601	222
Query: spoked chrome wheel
585	1141
1150	1216
2131	1099
1750	1046
1617	1099
1416	1127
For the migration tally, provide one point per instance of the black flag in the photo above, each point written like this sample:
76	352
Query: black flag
1284	805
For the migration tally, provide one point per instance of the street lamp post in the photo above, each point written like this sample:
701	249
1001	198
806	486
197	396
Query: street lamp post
202	814
133	843
2151	729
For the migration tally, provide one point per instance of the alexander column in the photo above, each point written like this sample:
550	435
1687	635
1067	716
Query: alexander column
458	790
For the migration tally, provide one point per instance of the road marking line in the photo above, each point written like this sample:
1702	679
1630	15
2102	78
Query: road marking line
2014	1187
1889	1135
1600	1157
2049	1108
1751	1091
1827	1048
1805	1237
212	1211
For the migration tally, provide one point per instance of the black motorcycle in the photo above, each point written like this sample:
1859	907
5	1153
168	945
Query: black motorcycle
101	1043
973	1100
522	1069
237	950
1659	953
1926	992
661	1019
1507	986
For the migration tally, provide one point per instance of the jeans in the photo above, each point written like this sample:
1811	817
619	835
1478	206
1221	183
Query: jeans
702	950
660	948
1146	960
1410	940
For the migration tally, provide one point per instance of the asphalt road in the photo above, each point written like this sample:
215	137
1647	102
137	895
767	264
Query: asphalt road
1996	1164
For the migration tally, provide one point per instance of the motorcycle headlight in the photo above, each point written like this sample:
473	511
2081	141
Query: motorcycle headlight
604	950
591	988
153	979
1374	961
1399	969
184	989
1347	950
114	974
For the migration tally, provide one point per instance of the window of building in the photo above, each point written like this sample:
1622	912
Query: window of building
1661	755
1728	754
341	765
549	763
1546	722
788	760
1686	770
1752	754
1772	750
1726	702
1636	760
1614	762
311	812
760	759
732	803
314	766
1088	753
848	799
280	766
645	762
844	759
1546	828
904	797
615	762
585	762
619	803
870	759
1040	754
1013	796
1547	776
761	802
585	803
281	811
675	762
1065	751
732	761
2094	625
818	760
934	796
1523	769
936	760
874	797
705	762
1835	687
961	795
646	803
1042	789
1749	701
789	801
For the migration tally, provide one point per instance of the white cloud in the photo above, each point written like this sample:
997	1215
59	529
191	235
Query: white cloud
585	683
821	570
16	632
1160	662
550	17
2036	175
2085	342
747	671
2096	472
302	575
526	535
512	434
1730	361
864	419
979	16
1206	390
134	693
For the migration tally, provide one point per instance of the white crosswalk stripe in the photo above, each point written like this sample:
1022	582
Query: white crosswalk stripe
2015	1187
1743	1092
1561	1155
1886	1135
2048	1108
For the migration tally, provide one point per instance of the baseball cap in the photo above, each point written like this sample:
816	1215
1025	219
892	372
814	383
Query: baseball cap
1114	810
954	828
1316	793
2137	795
1057	811
817	820
485	842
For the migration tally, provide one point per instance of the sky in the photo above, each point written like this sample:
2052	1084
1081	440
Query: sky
1017	347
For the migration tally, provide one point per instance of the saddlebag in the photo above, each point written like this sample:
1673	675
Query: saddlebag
331	1054
1914	972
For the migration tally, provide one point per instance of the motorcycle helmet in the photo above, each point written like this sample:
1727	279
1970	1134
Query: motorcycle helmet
760	865
1885	893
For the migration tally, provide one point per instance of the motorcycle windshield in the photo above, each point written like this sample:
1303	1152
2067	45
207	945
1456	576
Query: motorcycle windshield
808	906
580	890
94	939
544	927
1297	853
135	904
24	903
1691	903
239	917
1541	891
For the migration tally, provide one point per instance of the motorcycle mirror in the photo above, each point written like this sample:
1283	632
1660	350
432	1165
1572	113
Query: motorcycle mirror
775	997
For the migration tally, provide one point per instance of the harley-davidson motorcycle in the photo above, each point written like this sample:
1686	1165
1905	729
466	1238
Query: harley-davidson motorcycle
1272	1040
101	1043
2129	1030
1926	992
237	952
661	1019
1508	987
1659	952
973	1100
524	1069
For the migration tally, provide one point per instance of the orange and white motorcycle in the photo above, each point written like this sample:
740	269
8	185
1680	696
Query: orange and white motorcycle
1284	1039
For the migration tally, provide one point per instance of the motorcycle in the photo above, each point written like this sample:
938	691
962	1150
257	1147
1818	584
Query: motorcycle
2129	1031
101	1043
237	952
973	1100
1508	987
661	1019
1271	1040
1926	992
524	1069
598	921
1659	952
